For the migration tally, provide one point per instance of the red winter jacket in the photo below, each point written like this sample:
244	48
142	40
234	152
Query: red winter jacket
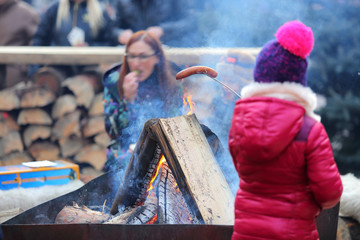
286	166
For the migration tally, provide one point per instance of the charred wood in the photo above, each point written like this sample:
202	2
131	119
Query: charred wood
173	208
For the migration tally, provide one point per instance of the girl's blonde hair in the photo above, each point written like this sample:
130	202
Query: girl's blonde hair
94	10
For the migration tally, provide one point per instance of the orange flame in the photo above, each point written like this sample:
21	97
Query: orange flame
152	220
162	160
187	101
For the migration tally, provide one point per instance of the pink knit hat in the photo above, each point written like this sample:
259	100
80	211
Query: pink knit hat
284	58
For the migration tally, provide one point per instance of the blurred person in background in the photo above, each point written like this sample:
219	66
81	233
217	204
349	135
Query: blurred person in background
18	23
171	21
76	23
141	87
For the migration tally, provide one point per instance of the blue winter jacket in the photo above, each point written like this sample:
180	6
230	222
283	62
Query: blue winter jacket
48	35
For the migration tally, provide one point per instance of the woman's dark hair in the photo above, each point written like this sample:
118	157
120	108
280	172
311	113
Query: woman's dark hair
166	77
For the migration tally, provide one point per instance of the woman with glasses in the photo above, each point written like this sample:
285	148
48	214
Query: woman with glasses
142	87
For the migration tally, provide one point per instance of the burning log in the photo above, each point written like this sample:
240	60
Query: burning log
143	214
191	161
167	172
174	206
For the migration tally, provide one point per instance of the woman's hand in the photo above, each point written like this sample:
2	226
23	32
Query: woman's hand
156	30
130	86
124	36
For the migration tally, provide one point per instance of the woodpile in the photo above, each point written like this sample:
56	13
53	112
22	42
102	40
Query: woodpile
40	122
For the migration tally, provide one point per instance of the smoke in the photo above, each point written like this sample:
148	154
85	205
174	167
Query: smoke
240	23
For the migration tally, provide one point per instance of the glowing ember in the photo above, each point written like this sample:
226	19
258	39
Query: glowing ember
152	220
162	160
187	101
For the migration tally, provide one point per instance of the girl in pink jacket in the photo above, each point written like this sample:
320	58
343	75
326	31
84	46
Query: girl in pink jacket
280	149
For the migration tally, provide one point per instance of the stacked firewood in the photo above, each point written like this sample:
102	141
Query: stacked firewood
38	123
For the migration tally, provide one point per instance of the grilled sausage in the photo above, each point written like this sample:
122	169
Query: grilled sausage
196	70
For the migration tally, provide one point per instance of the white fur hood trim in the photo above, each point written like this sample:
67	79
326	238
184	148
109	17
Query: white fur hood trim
289	91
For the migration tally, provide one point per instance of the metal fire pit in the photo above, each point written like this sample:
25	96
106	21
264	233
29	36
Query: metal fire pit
109	231
37	223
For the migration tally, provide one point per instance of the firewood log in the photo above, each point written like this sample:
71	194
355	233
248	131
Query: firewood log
143	214
44	151
63	105
93	154
36	97
34	116
77	214
102	139
9	100
11	143
7	124
94	125
15	158
35	132
69	146
49	78
82	90
97	107
67	126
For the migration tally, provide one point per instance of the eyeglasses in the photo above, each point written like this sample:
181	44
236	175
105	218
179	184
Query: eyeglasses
142	57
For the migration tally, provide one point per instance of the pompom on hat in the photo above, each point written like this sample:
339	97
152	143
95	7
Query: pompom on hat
284	58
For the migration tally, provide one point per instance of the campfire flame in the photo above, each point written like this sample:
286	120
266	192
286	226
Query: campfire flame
162	160
187	100
153	220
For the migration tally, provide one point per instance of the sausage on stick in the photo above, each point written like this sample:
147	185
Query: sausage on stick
187	72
